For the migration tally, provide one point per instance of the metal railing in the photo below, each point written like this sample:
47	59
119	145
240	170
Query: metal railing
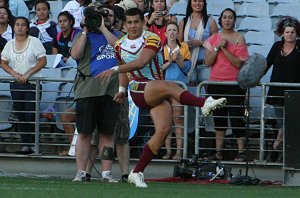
13	131
259	120
259	117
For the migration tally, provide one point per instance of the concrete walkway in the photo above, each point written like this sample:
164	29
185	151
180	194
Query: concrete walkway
65	167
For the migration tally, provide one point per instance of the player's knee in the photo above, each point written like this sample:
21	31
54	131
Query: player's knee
164	131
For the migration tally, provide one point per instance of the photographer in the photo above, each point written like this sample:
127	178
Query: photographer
158	18
95	104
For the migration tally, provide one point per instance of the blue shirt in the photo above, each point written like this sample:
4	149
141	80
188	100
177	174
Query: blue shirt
206	34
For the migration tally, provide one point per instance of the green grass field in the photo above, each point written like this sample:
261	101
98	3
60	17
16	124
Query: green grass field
43	188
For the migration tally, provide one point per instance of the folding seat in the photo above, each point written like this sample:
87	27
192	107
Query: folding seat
283	9
49	95
71	62
255	24
260	38
254	9
71	73
178	9
261	49
51	73
52	60
56	8
249	1
283	1
6	106
216	7
218	1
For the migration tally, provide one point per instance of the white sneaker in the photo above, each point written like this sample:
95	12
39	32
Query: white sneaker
211	104
80	176
108	178
137	179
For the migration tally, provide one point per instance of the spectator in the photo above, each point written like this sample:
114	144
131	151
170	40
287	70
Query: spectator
176	68
17	7
75	8
284	56
96	103
139	53
43	28
194	29
118	24
110	3
225	54
119	10
142	5
5	29
63	41
67	118
31	59
158	18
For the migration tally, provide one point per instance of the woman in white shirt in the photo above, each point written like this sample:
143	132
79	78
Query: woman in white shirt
23	57
5	29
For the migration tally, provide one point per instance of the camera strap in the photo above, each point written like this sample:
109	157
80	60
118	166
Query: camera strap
82	75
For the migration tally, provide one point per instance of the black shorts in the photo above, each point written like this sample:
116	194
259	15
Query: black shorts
121	130
99	111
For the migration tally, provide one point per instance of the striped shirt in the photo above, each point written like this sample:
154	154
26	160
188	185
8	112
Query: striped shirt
128	50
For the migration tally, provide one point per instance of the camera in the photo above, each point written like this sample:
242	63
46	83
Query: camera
163	13
93	18
201	170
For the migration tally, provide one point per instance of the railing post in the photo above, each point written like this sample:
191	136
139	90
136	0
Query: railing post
262	123
185	123
37	118
185	132
197	131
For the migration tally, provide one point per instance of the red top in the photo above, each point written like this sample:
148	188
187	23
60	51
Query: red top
222	69
159	31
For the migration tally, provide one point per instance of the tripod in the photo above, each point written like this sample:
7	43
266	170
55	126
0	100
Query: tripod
246	179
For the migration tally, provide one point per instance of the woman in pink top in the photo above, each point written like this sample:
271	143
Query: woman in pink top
225	54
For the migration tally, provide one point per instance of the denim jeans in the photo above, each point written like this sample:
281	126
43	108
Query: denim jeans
21	93
201	73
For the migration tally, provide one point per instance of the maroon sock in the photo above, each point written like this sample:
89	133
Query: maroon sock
186	98
145	159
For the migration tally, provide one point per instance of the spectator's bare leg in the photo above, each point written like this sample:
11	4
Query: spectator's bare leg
83	146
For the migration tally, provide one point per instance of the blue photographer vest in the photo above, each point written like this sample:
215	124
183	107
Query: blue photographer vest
102	53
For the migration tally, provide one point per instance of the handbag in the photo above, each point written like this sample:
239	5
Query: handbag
252	71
